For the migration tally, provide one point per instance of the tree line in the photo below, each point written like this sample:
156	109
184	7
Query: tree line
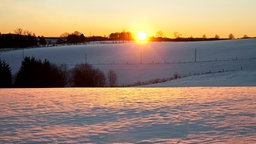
21	39
78	37
179	38
35	73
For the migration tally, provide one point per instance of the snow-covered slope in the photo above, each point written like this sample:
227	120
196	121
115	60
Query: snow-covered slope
232	78
159	59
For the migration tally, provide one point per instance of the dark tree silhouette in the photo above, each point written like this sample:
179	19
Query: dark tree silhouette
5	75
245	36
217	36
97	38
120	36
18	31
231	36
42	41
35	73
17	41
64	35
75	38
84	75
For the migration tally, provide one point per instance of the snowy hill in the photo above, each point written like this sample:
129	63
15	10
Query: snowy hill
159	60
233	78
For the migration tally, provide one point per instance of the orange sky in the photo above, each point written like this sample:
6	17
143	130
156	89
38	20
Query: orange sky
101	17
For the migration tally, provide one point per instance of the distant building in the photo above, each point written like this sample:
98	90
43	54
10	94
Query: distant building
53	40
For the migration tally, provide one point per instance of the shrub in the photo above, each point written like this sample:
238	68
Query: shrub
84	75
176	75
5	75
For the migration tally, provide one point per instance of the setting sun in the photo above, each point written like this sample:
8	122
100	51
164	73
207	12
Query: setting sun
141	36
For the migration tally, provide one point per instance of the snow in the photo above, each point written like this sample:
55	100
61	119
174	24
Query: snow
160	60
128	115
139	115
233	78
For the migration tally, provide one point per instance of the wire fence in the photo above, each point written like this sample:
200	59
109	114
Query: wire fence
171	62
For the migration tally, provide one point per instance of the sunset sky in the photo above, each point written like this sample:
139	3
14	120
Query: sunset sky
101	17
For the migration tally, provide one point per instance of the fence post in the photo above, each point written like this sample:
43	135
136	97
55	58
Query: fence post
195	55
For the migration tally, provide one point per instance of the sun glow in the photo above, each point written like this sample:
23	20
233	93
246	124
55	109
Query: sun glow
141	36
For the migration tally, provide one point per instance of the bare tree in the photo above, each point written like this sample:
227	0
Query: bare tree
18	31
28	33
177	35
112	78
84	75
159	34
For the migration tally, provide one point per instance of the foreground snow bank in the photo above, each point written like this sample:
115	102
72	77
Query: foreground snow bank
128	115
232	78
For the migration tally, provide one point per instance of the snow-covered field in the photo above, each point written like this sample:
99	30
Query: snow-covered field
128	115
160	60
232	78
139	115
